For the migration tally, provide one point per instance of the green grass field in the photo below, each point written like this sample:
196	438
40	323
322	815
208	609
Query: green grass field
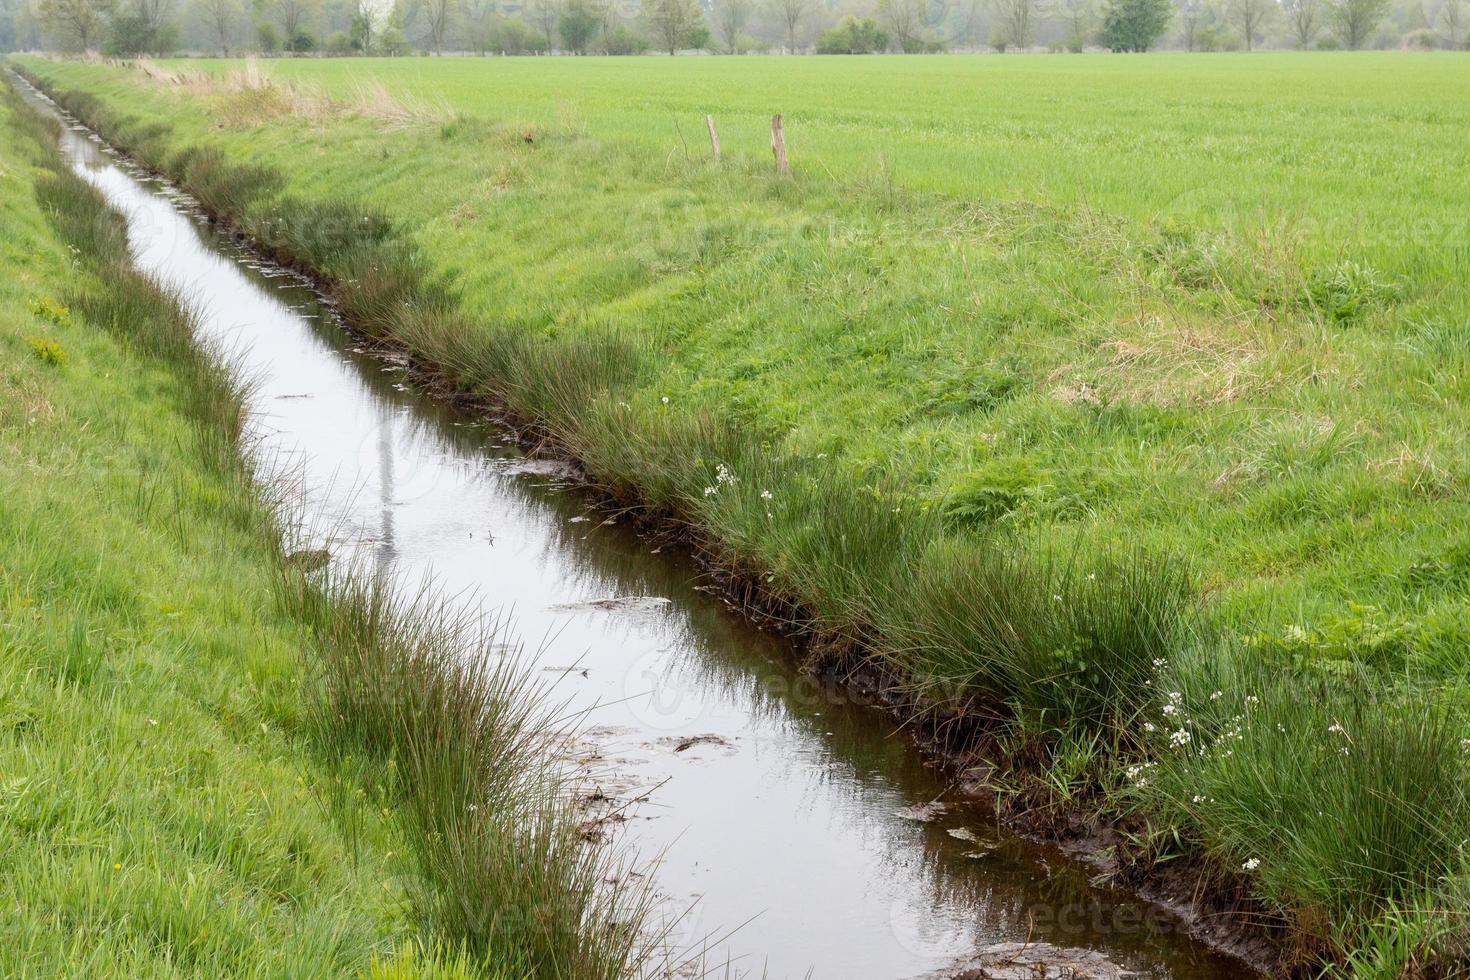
198	774
1128	394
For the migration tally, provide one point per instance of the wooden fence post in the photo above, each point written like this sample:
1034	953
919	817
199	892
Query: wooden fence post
714	137
778	143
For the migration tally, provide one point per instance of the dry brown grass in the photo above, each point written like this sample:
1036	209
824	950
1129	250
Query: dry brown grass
248	96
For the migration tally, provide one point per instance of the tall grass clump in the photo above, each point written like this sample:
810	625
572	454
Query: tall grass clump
506	873
1338	802
1063	640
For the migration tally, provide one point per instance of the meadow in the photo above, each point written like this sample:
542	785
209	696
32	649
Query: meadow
1119	399
201	777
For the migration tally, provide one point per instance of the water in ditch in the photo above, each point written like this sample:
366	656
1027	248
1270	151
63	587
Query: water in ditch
782	818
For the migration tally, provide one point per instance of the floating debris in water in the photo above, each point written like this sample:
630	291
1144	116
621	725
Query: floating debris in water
629	603
923	812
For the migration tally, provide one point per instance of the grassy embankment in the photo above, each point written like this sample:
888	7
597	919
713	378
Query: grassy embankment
1129	416
209	764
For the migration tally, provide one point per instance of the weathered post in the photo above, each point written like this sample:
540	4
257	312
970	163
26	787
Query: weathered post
714	137
778	143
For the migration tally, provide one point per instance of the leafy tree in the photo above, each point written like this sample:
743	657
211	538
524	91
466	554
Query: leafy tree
1135	25
578	26
80	22
674	23
620	40
853	36
267	37
143	27
515	36
1353	21
301	42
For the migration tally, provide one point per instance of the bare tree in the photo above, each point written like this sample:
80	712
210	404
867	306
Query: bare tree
1191	12
1305	20
293	16
731	17
790	13
154	16
479	23
1250	16
904	20
1452	21
1015	22
1080	17
1355	20
372	17
78	21
544	14
221	16
438	14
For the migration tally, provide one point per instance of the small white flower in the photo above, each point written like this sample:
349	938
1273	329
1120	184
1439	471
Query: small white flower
766	495
1217	695
1160	663
1198	798
1057	597
711	491
1251	865
1334	727
1180	737
1171	709
1148	726
665	399
1252	699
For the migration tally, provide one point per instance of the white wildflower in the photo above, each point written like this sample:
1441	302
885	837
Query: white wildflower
1251	865
1180	737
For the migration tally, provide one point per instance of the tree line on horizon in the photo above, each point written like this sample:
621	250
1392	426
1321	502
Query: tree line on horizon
625	27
